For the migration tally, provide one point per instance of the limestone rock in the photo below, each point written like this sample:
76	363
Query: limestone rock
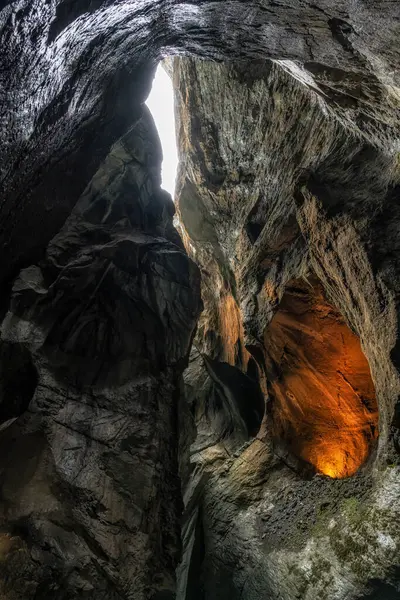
282	206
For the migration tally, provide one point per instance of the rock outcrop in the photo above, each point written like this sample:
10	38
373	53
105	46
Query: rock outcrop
289	170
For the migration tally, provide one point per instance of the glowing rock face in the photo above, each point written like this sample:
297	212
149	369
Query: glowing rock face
323	404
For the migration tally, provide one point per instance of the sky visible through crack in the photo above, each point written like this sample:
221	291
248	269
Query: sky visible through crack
161	105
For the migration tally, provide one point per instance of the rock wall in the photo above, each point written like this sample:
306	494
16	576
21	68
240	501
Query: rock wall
282	206
99	331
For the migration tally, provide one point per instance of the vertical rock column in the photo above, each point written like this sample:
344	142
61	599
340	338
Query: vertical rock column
90	490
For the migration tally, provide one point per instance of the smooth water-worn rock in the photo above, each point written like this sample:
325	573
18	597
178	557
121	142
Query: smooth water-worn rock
283	208
73	75
94	343
289	167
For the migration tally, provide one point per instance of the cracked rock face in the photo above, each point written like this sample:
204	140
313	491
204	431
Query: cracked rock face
289	148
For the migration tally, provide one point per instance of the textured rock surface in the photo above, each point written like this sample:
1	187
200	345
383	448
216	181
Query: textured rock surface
279	192
99	301
73	75
90	492
322	398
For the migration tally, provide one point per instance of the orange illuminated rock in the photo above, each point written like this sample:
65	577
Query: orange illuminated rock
323	404
231	331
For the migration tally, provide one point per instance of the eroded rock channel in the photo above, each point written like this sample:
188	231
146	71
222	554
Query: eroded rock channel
199	397
322	397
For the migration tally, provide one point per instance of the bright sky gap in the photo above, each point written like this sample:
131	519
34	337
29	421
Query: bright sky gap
161	105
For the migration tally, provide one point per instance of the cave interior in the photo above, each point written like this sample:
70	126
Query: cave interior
199	393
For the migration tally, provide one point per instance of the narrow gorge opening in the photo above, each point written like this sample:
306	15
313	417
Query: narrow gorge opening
323	406
162	107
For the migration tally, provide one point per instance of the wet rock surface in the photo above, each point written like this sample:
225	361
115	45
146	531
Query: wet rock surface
288	167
